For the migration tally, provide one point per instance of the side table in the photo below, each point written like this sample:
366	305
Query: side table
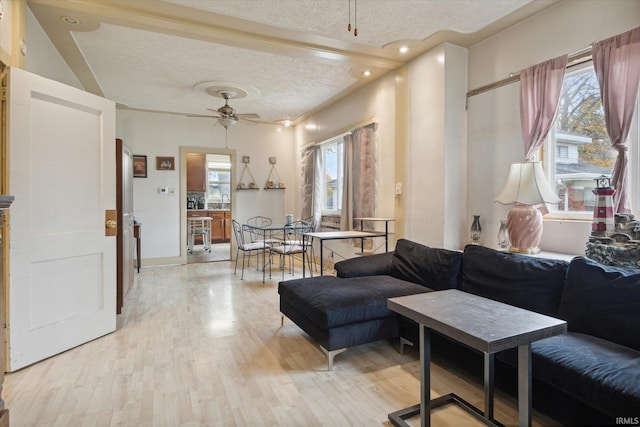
480	323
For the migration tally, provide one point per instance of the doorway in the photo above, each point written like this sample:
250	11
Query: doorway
208	183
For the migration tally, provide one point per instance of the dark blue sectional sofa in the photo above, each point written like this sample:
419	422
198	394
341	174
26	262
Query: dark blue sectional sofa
588	376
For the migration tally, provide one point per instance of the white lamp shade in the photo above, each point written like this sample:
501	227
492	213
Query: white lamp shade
527	185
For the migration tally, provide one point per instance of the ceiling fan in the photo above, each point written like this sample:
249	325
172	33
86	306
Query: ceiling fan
226	114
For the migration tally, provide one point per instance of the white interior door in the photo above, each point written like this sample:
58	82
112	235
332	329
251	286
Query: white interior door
62	284
128	240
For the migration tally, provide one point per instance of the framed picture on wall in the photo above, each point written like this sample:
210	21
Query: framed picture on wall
165	163
139	166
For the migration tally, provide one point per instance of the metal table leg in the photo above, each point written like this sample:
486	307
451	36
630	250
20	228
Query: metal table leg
524	385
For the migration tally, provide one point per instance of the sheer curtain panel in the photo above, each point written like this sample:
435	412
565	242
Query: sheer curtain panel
540	88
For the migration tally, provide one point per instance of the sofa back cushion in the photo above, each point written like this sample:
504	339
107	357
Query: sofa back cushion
431	267
524	281
602	301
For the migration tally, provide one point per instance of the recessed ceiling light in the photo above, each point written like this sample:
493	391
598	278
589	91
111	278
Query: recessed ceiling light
403	49
366	73
70	20
287	123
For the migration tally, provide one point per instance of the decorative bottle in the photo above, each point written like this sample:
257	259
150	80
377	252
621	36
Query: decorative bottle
503	235
476	230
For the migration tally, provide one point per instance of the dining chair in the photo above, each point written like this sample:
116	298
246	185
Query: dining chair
293	244
313	227
245	247
256	236
199	226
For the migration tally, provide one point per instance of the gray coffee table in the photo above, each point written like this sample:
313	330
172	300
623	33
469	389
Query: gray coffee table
480	323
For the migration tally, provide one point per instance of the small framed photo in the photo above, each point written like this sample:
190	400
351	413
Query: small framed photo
165	163
139	166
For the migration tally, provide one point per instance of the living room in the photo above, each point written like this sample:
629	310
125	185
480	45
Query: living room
450	153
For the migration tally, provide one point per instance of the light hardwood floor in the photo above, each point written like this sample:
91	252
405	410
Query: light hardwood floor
196	346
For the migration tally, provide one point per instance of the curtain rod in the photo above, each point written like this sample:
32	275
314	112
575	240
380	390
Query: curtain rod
579	57
342	131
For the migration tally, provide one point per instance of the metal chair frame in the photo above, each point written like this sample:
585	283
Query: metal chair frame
250	247
293	244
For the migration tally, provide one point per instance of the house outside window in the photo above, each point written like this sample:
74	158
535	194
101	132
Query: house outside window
578	149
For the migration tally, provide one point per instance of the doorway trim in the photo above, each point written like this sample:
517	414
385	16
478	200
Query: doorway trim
183	191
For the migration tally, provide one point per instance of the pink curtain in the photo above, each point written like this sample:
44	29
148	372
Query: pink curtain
540	88
359	190
617	65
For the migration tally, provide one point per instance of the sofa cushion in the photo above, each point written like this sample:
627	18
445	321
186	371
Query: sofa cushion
330	301
527	282
371	265
598	372
602	301
434	268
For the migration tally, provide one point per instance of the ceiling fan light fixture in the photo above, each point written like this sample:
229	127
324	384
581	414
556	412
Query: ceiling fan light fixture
227	122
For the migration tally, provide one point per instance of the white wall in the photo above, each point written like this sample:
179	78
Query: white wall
436	148
155	134
5	32
494	133
42	57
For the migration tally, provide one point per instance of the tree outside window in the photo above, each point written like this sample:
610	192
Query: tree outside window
578	144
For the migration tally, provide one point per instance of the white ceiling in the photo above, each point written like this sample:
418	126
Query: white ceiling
285	58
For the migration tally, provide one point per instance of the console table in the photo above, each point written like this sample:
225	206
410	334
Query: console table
480	323
386	228
334	235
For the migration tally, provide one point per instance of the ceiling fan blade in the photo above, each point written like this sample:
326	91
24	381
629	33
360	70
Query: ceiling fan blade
248	116
203	115
247	121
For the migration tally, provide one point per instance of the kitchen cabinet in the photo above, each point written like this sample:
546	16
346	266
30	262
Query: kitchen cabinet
217	226
196	172
227	226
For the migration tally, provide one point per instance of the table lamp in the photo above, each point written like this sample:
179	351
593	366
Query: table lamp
527	187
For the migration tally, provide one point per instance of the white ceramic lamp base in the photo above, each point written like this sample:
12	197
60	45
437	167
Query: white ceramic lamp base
525	229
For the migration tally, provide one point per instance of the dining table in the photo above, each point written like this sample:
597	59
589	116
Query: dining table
272	232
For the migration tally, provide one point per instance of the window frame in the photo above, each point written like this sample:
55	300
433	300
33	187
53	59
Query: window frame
548	153
338	142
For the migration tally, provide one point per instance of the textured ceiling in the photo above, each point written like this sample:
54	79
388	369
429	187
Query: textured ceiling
380	22
289	57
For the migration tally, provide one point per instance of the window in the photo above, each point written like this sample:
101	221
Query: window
578	148
332	161
218	180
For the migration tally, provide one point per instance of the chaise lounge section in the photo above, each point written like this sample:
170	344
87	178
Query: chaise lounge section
339	313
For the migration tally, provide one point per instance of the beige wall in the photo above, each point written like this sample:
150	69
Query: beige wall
433	173
494	131
154	134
